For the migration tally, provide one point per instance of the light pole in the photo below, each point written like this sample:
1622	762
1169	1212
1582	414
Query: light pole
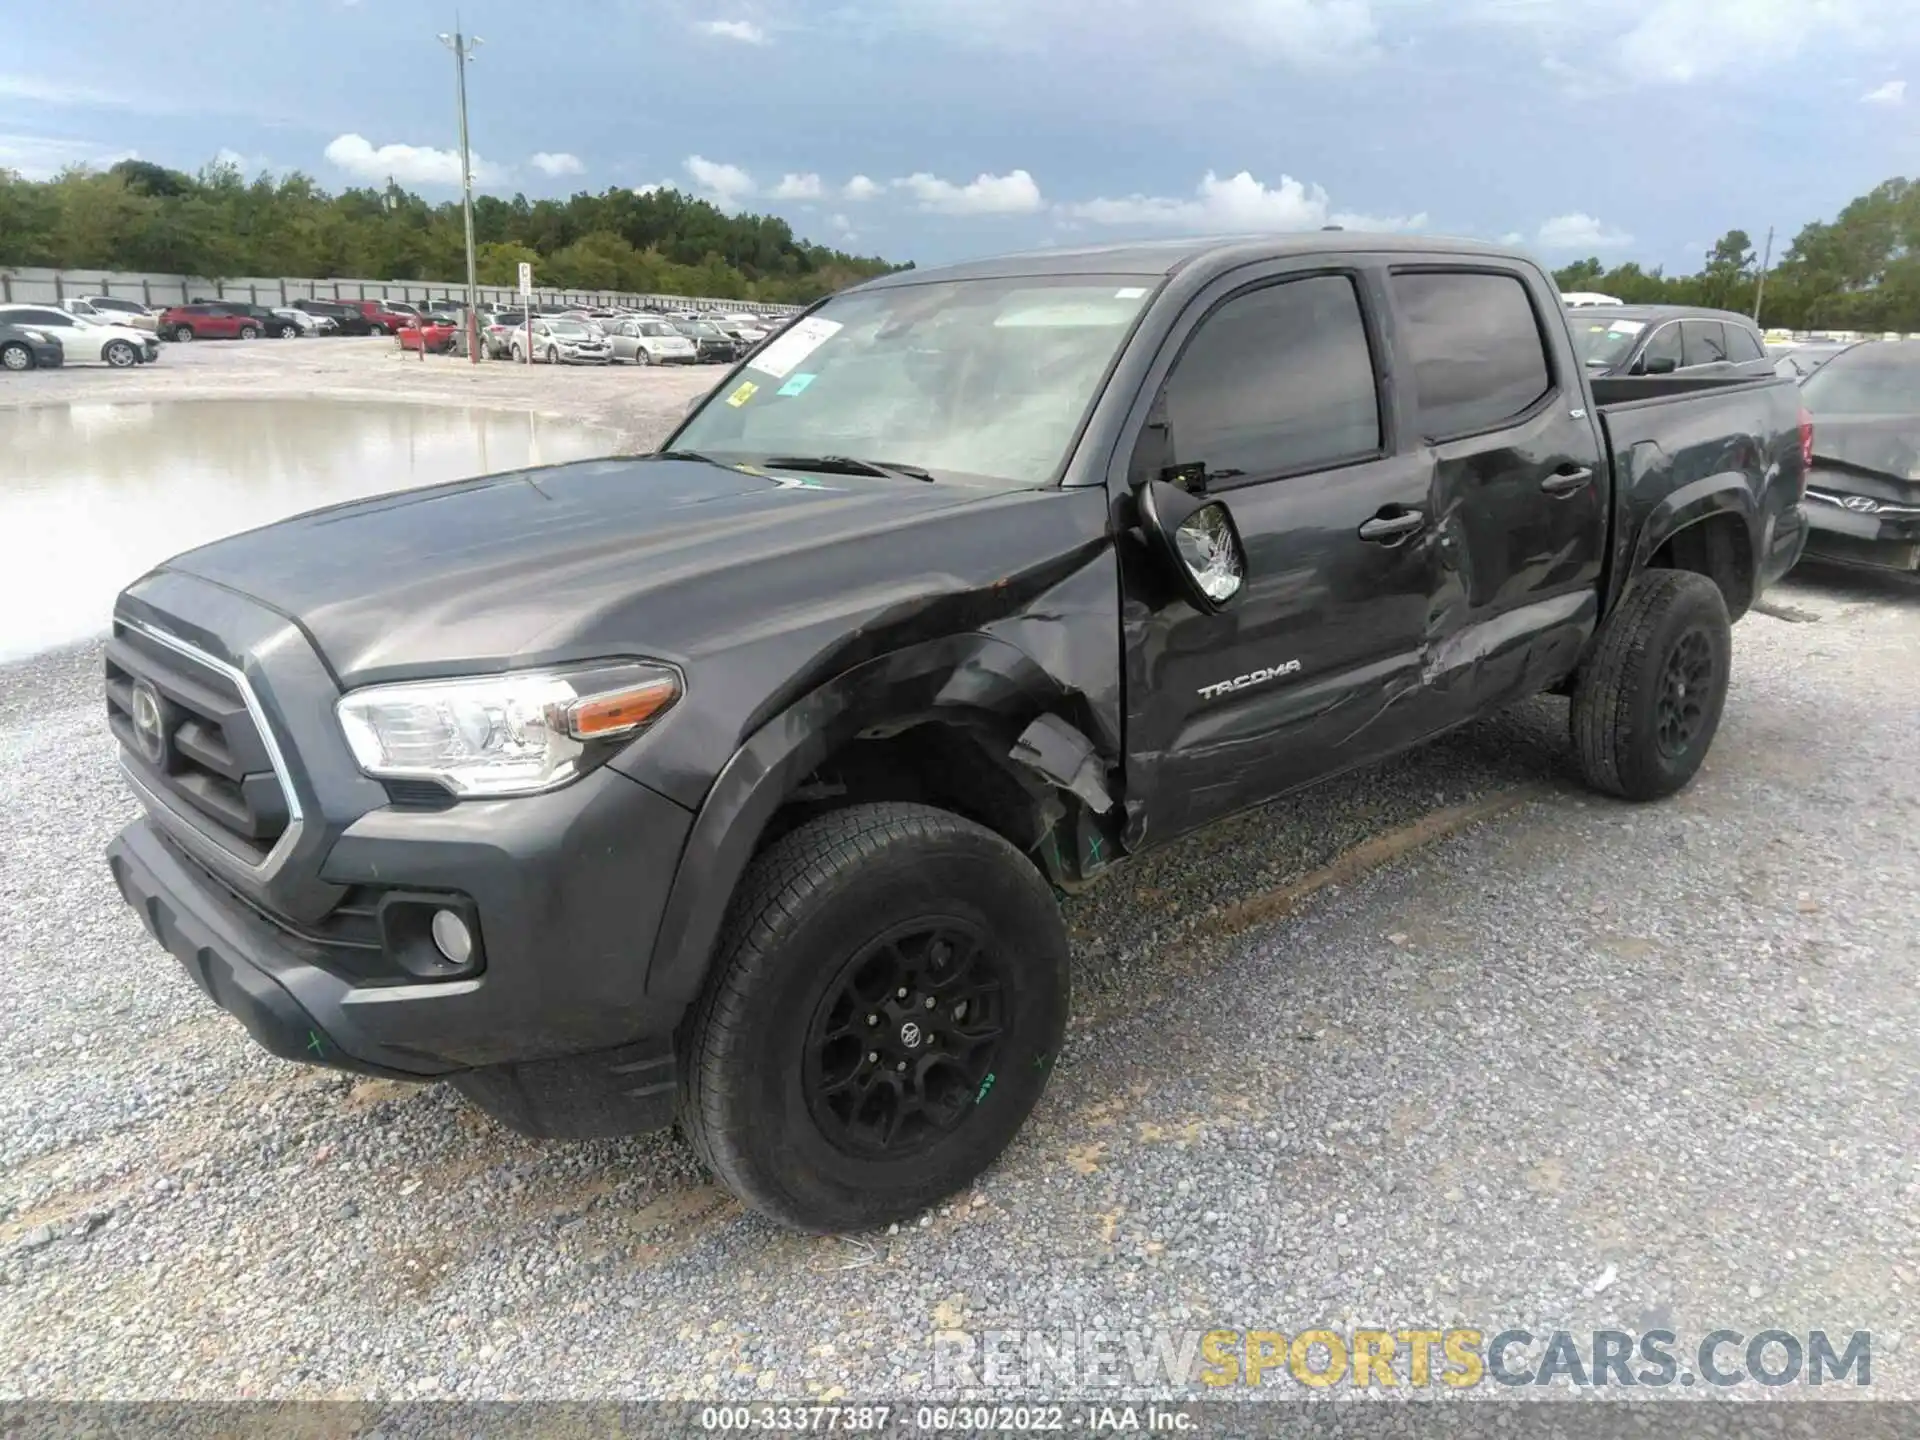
463	47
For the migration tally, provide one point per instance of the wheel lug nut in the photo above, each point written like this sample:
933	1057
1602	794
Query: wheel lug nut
929	1002
901	993
873	1019
872	1056
900	1065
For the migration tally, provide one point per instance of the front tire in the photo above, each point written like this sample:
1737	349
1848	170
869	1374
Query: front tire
376	330
249	332
183	333
1648	702
812	1087
119	354
16	356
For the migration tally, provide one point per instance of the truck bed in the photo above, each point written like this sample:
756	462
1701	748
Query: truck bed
1671	437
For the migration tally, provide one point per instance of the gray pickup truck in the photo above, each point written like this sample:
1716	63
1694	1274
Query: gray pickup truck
736	783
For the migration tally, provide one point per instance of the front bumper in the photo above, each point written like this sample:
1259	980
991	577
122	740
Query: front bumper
1886	537
565	892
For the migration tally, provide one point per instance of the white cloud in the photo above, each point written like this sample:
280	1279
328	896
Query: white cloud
41	157
861	188
1014	193
1894	92
557	163
43	91
1579	231
653	189
406	164
725	185
799	187
1238	203
744	31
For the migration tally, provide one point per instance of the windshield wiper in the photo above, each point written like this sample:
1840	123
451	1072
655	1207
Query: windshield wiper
848	465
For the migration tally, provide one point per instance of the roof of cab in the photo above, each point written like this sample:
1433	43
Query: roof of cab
1601	313
1165	257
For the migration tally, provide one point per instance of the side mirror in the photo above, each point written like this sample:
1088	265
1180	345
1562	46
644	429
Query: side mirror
1197	539
1659	365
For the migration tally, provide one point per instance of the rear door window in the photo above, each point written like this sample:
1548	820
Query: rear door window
1479	357
1702	342
1275	381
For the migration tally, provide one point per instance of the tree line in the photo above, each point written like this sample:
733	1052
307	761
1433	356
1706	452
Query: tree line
1860	271
216	224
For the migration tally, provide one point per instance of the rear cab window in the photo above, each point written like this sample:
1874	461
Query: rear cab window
1743	345
1479	353
1702	342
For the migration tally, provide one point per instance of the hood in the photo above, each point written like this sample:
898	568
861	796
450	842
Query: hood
644	555
1885	446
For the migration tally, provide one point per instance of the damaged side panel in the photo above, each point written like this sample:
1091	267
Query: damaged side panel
998	699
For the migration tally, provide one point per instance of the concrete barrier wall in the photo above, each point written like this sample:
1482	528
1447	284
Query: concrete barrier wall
43	287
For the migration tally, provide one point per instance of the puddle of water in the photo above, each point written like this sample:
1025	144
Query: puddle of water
93	495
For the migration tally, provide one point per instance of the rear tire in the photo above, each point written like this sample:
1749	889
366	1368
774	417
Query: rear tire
249	332
811	1088
642	356
376	330
183	332
1648	702
16	356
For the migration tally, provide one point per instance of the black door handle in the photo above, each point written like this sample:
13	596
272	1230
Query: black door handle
1389	529
1565	482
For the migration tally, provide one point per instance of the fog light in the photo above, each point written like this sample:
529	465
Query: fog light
450	933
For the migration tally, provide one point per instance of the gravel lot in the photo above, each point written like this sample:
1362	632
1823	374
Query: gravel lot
1449	1041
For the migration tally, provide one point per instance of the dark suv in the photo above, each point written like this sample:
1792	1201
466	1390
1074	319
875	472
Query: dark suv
1666	340
349	319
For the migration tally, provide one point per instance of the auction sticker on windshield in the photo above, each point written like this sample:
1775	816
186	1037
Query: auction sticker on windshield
745	393
799	341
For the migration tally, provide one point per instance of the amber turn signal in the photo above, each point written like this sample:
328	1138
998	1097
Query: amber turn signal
616	712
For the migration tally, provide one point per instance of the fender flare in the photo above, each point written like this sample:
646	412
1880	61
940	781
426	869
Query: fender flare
1722	493
965	675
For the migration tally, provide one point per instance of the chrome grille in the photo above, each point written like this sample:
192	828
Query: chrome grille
194	740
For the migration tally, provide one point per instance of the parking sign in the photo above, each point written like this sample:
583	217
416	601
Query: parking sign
526	280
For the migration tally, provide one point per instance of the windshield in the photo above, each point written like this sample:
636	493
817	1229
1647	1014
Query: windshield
1604	343
984	379
656	328
567	329
1872	380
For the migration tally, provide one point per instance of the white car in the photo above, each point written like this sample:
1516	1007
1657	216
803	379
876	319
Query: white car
649	342
86	340
112	310
308	324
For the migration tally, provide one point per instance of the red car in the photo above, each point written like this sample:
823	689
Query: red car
434	335
385	317
209	320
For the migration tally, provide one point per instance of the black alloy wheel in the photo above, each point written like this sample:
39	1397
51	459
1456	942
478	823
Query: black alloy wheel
905	1038
1684	692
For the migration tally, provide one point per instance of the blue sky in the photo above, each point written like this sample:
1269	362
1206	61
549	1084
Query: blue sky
935	129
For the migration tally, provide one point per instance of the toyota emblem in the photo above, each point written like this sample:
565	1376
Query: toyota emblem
1861	504
149	724
910	1035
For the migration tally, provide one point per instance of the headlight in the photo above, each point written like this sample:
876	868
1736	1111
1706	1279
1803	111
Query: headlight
509	734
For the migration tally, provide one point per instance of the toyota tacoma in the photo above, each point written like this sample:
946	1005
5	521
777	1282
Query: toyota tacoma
737	783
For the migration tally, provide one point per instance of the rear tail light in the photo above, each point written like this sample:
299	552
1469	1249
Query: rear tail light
1806	447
